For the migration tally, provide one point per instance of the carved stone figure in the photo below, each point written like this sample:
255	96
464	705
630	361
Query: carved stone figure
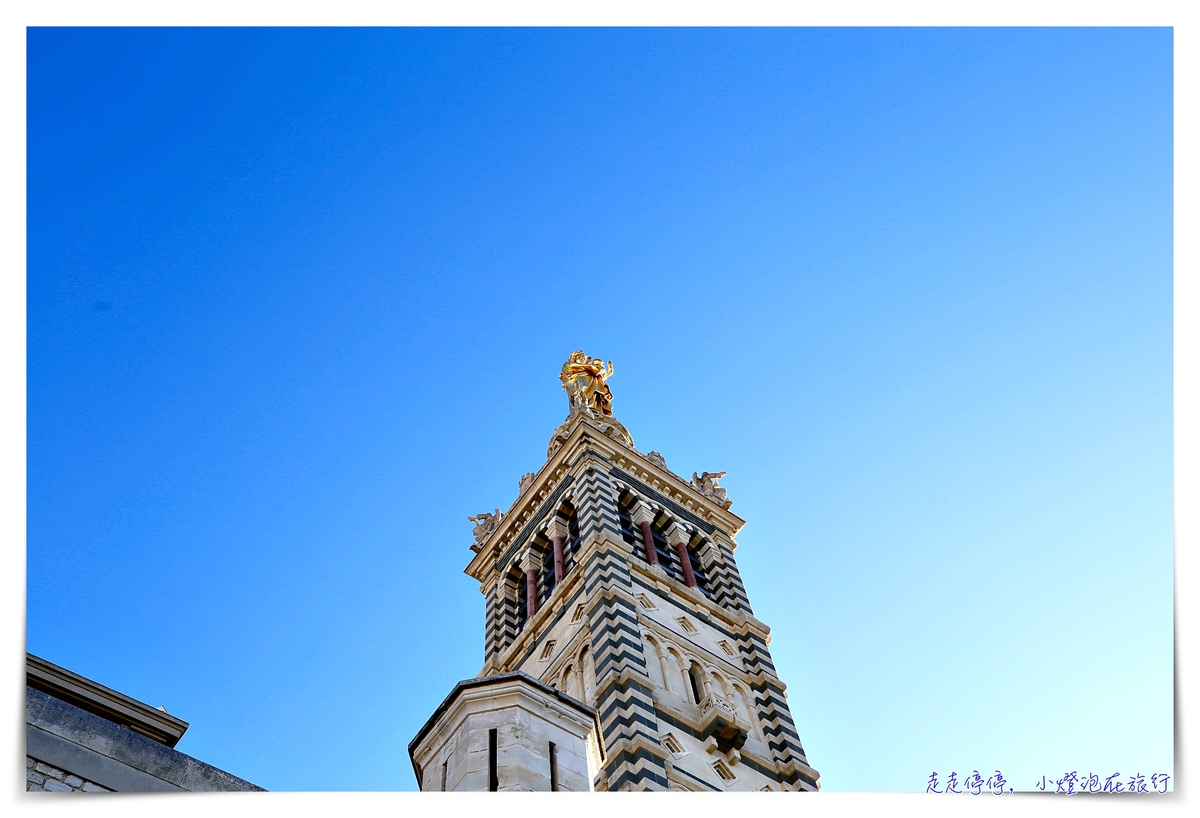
485	525
706	484
525	482
585	382
657	459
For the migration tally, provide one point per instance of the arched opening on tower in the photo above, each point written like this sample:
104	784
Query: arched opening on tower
662	549
517	578
568	515
698	569
697	682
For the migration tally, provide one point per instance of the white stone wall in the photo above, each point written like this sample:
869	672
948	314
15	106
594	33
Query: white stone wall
43	777
526	721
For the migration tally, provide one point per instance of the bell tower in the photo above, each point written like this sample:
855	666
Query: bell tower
611	583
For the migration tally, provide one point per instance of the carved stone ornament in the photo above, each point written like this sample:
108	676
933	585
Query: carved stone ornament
658	460
608	426
525	482
707	485
485	526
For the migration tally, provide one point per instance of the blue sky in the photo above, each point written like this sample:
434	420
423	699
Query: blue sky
297	300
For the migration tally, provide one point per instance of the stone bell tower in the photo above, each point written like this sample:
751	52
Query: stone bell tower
615	604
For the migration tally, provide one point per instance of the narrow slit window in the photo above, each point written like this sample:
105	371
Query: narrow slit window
546	651
493	778
553	768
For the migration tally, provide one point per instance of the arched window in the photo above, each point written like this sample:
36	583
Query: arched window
742	702
587	672
702	581
654	667
697	680
546	578
571	544
630	532
518	578
666	556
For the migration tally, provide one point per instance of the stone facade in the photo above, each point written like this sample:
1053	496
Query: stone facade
83	737
47	778
507	732
613	580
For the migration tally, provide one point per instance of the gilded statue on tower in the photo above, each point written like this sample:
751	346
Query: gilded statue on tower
585	381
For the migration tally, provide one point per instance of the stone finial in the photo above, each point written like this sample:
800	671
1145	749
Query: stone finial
525	482
657	459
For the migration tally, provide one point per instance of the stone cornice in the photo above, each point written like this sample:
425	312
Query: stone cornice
677	489
585	437
102	701
515	685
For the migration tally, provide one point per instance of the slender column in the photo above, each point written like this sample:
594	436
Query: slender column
530	563
642	515
689	578
558	561
531	592
557	532
678	536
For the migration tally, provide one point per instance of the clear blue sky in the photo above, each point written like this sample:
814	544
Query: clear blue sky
297	300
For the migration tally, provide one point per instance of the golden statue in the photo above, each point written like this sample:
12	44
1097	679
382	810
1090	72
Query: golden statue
584	380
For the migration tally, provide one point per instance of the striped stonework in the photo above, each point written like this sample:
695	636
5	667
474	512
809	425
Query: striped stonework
493	614
732	593
622	692
624	695
774	714
684	689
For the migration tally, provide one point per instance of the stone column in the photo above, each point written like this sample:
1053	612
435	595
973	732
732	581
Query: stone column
557	532
530	565
642	515
678	536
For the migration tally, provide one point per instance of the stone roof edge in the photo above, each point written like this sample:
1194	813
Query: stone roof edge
93	697
137	751
498	678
